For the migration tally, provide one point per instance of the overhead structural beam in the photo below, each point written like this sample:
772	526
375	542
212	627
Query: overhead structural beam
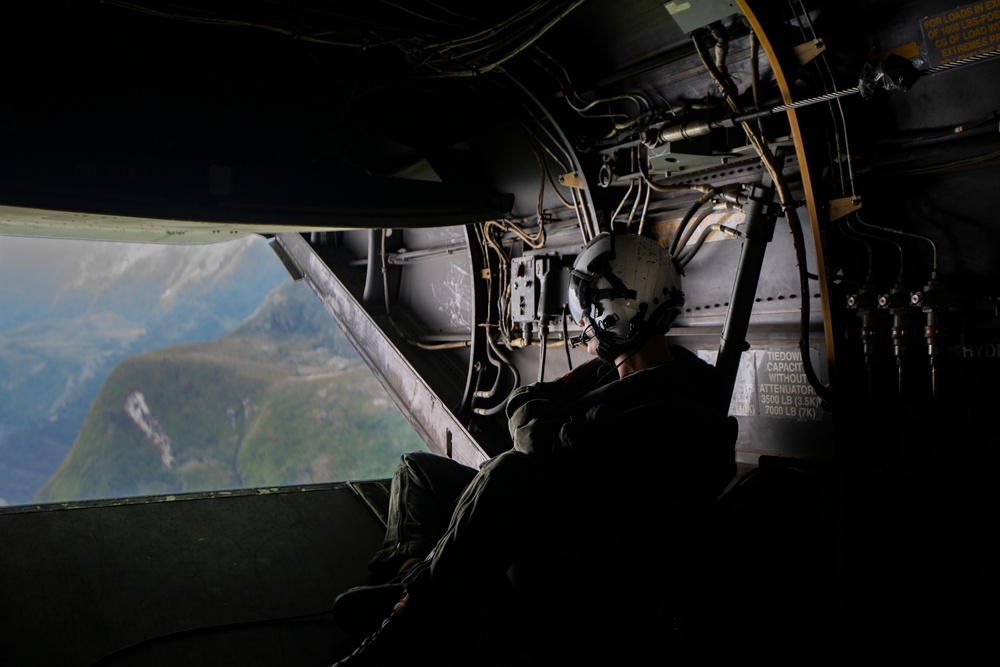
424	409
40	203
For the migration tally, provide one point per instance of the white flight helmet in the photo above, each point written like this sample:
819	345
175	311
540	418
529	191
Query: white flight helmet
629	288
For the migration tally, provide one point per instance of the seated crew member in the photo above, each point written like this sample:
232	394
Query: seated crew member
562	547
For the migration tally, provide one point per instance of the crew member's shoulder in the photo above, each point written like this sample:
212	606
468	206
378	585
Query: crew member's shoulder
683	355
687	370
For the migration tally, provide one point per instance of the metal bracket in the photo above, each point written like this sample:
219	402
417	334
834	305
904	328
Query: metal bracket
572	180
805	53
838	208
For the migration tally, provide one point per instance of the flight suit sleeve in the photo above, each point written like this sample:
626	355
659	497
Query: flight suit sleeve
534	421
539	428
538	413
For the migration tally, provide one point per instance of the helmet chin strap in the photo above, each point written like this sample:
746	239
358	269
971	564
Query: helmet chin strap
609	355
608	352
605	353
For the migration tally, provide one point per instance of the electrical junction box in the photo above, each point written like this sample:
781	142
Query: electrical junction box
538	287
523	289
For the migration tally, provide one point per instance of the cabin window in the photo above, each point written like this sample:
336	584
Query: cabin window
131	370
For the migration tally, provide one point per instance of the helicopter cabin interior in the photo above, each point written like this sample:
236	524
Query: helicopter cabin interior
822	172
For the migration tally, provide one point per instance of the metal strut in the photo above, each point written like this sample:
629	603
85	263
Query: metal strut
760	223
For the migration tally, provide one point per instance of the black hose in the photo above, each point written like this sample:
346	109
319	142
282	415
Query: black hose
499	407
686	220
692	227
686	257
565	327
489	393
542	354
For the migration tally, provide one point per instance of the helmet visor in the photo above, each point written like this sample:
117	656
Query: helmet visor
579	302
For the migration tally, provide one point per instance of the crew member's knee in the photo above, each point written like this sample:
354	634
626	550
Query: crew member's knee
509	462
411	460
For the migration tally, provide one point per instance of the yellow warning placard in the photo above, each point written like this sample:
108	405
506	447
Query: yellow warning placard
961	32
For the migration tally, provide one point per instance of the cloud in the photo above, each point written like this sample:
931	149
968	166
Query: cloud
95	267
209	265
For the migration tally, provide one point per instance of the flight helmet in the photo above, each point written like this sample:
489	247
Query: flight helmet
629	288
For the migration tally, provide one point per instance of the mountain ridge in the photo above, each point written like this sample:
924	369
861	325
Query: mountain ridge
269	404
65	325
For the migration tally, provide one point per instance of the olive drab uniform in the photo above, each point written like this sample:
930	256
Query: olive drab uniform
575	531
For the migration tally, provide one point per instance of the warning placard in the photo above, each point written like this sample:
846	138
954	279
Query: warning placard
961	32
773	383
783	389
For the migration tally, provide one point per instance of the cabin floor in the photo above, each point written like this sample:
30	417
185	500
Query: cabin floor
249	577
227	578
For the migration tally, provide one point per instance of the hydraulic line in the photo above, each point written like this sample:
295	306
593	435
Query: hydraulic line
698	203
788	207
685	257
694	223
702	127
969	60
841	154
890	230
579	204
565	330
686	187
898	304
581	222
635	207
865	303
754	66
489	393
933	300
543	348
645	208
372	271
513	369
538	146
631	186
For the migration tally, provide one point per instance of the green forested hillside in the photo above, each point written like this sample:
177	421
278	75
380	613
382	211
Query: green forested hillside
336	427
271	404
